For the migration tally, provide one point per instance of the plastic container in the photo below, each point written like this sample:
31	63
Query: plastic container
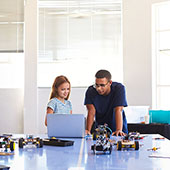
159	116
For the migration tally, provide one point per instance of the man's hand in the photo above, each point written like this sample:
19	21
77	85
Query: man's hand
87	132
119	133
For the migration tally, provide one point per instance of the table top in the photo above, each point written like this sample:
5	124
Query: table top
81	157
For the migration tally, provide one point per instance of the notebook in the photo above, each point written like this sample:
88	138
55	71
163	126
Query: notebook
66	125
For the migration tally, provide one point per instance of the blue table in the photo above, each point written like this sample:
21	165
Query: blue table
81	157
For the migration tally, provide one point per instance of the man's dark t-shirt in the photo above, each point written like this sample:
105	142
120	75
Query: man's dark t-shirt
105	105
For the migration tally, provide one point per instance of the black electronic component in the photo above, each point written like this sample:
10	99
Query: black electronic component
57	142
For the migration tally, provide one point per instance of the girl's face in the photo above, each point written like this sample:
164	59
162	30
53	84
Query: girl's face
63	90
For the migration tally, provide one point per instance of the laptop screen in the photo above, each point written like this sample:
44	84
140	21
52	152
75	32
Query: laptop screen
66	125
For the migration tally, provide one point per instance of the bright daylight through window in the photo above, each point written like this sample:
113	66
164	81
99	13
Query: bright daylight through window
78	37
161	56
11	43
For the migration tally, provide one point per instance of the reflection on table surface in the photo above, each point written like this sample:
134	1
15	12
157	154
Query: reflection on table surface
81	157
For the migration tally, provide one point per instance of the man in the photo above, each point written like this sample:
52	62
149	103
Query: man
105	101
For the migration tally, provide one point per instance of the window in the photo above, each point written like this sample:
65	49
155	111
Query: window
11	43
76	38
161	56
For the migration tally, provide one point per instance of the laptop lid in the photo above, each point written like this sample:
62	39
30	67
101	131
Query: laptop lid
66	125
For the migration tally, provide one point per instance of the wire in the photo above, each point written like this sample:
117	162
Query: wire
109	129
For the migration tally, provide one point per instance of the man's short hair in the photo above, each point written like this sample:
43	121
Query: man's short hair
103	74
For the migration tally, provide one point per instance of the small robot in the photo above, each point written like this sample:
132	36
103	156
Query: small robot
129	141
29	140
102	130
6	142
102	137
134	135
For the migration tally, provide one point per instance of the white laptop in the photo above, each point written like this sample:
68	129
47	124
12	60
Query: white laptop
66	125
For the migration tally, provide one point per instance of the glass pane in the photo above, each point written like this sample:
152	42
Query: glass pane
77	38
162	56
162	14
164	40
12	70
163	68
163	101
11	43
11	25
53	34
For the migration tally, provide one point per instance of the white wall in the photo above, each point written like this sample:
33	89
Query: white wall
137	74
11	105
137	50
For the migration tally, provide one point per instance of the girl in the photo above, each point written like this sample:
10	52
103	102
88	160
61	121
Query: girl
58	102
